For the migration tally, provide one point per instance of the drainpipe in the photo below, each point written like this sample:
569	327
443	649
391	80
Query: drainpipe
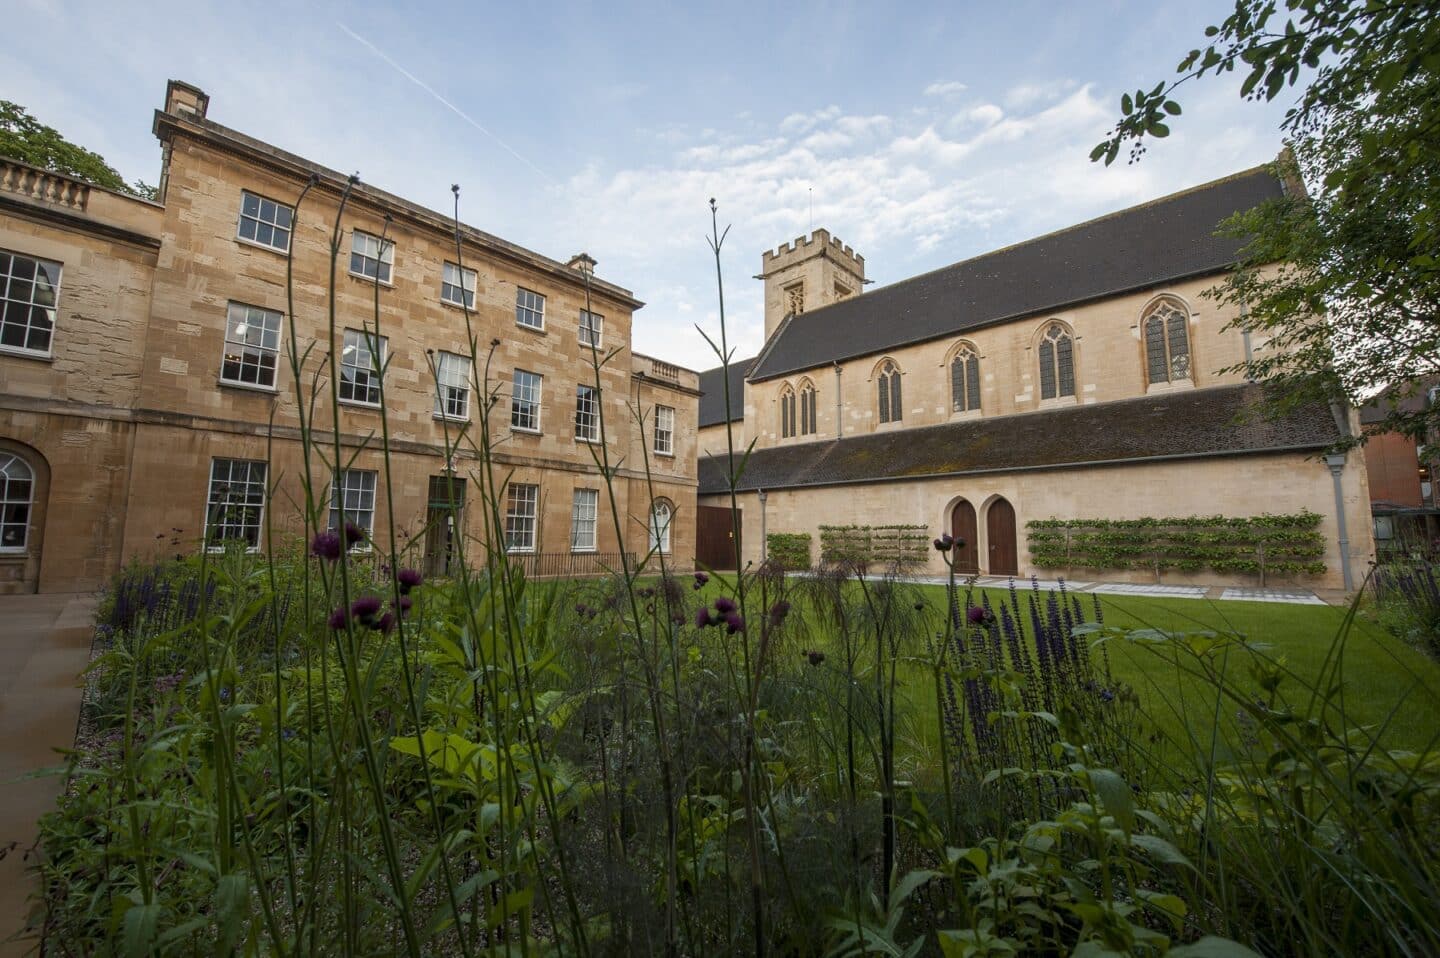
839	406
764	540
1336	464
1249	350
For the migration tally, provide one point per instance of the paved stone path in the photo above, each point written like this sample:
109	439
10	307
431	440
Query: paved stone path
44	645
1224	593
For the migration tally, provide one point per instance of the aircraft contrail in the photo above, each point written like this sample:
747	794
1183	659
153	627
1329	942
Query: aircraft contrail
452	107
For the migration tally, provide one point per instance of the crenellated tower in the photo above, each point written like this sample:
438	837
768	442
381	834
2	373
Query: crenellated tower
809	273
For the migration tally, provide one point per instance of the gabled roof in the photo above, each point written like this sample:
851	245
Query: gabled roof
1158	242
712	393
1194	423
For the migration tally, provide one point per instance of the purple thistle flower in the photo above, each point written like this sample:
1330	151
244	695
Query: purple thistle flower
815	656
404	605
338	618
702	617
700	580
724	605
353	533
734	623
386	623
778	611
365	608
945	543
326	545
408	579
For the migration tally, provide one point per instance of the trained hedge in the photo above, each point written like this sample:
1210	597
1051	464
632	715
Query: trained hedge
900	546
789	550
1259	545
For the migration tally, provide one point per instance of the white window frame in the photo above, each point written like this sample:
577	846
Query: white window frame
587	409
362	380
220	498
660	533
453	279
262	219
252	334
584	518
531	304
522	510
525	400
591	329
452	386
16	506
354	489
18	302
367	248
664	431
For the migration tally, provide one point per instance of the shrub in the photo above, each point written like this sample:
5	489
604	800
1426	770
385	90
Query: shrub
790	549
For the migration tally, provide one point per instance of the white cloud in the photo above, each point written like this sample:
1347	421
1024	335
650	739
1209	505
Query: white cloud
949	88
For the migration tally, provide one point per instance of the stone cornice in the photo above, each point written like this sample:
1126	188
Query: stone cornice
74	221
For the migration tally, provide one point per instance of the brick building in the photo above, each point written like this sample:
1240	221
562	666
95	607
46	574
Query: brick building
1071	376
148	402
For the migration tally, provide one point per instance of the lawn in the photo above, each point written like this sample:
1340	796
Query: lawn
1385	683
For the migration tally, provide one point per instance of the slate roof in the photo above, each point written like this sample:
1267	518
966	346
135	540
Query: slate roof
1156	243
1215	421
712	393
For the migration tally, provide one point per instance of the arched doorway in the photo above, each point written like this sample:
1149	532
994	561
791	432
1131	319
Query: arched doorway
964	529
24	486
1000	530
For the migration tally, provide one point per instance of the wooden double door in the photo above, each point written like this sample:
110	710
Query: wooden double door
1002	556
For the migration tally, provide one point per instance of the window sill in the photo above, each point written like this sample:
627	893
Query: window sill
454	305
521	552
221	550
358	404
242	241
1059	402
1171	386
537	330
441	417
387	283
249	387
584	552
27	354
597	347
593	442
665	455
963	414
525	432
14	552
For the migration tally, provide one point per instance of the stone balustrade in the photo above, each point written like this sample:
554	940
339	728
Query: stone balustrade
43	185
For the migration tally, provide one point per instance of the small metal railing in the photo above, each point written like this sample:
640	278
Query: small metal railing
540	565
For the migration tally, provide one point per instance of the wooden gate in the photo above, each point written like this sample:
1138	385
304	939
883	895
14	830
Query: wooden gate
714	538
962	527
1000	528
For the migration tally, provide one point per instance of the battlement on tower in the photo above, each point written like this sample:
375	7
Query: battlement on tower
803	248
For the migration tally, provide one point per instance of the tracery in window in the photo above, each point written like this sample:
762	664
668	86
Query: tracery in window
888	387
965	381
1167	342
807	409
1057	363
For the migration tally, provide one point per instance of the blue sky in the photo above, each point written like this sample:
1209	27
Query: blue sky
920	134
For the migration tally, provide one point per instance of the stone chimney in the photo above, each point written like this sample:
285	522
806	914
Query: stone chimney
806	274
184	99
584	262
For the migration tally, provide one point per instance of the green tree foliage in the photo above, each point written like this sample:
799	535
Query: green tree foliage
1354	305
24	138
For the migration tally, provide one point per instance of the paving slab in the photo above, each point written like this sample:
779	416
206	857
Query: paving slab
44	646
1169	591
1272	595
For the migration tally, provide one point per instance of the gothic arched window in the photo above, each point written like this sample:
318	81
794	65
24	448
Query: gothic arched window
787	413
660	514
17	495
889	392
965	381
807	409
1057	363
1167	342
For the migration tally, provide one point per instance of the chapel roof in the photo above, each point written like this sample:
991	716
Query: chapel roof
1193	423
712	393
1155	243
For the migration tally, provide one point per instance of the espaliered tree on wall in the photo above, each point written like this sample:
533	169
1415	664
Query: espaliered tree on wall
790	550
1260	545
898	546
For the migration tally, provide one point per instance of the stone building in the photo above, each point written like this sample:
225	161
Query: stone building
1071	376
148	401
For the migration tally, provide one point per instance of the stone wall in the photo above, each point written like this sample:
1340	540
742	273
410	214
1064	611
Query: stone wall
1233	486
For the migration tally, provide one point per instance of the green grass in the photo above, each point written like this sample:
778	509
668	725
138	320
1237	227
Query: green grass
1386	683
